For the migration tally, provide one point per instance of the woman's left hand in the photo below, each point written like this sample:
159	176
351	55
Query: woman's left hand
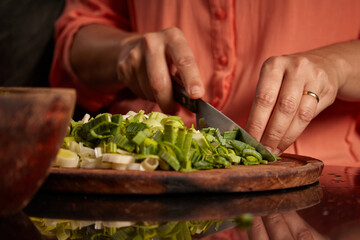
286	95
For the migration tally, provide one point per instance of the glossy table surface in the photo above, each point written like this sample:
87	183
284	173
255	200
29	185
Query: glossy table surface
329	209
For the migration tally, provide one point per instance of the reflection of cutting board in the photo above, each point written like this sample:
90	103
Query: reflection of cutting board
171	207
291	171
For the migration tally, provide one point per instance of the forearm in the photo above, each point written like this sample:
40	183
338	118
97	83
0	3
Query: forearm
94	55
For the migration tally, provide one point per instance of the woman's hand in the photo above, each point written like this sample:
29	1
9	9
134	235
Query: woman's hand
287	225
281	111
143	62
145	67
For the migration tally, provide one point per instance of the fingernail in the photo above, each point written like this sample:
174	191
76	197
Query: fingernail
269	149
277	151
195	90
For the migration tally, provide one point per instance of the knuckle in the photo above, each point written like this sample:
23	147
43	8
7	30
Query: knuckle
274	135
305	115
257	226
304	234
320	74
133	56
149	41
273	62
275	218
265	99
286	141
174	35
255	127
287	105
185	61
301	61
173	32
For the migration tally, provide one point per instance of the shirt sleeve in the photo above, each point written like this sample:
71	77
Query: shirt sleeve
76	14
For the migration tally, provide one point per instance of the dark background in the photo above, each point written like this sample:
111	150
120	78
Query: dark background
27	41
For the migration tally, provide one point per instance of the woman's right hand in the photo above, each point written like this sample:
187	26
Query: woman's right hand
146	61
106	58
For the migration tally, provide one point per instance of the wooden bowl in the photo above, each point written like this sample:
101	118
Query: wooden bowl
33	124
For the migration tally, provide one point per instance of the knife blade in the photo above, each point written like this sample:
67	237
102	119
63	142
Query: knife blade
209	116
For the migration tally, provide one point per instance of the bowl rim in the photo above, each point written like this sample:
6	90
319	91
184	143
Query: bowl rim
35	90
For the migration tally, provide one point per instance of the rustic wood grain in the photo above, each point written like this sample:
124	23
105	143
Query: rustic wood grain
290	171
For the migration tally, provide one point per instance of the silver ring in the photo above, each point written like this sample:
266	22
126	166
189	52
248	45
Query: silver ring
312	94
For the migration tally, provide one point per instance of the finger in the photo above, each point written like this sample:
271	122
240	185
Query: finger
276	227
303	116
284	111
267	90
298	227
183	59
158	73
257	230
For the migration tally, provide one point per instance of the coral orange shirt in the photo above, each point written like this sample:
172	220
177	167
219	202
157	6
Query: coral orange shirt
230	39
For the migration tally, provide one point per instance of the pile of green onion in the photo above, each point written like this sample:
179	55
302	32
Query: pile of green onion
139	141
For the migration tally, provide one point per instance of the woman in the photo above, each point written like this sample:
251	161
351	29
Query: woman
120	55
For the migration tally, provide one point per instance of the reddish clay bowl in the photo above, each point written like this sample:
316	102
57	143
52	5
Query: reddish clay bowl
33	124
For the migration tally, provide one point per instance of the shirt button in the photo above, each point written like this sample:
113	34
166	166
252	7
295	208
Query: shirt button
221	14
216	101
223	60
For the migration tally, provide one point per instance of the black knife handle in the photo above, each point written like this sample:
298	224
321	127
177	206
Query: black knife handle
181	96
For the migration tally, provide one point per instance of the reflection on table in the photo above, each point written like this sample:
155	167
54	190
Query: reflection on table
330	208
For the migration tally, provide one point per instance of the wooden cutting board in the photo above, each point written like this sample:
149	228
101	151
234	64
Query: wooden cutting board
291	171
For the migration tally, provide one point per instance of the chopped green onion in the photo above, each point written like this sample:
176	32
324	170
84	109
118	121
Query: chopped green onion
230	135
96	121
186	149
219	137
170	132
67	141
180	137
170	159
140	137
122	142
111	147
157	134
252	152
133	128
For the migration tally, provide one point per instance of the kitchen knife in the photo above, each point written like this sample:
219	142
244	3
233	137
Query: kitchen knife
208	116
